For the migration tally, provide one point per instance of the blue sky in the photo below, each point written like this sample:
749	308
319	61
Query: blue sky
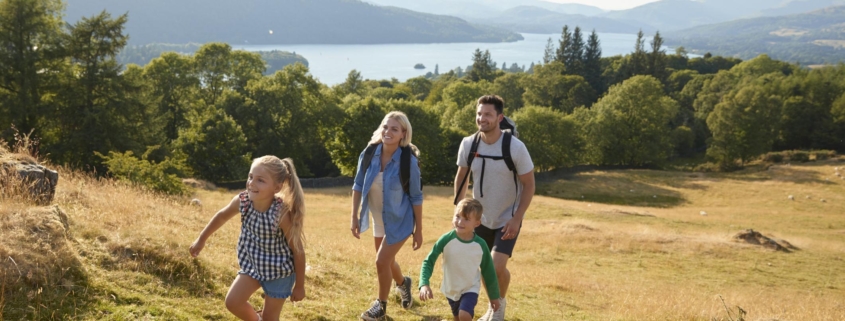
608	4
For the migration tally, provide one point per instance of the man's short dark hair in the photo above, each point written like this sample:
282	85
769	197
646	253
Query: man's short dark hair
494	100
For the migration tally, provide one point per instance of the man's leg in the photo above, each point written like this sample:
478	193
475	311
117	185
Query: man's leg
500	262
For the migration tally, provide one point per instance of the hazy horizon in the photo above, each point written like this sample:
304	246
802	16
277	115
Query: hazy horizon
608	4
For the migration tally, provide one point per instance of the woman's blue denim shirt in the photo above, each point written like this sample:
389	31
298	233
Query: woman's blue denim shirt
398	209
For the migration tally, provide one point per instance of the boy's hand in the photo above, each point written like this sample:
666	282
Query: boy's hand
425	293
495	304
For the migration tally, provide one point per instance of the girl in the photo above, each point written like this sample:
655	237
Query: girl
396	213
271	249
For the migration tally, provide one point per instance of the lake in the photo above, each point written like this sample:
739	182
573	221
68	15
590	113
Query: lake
332	63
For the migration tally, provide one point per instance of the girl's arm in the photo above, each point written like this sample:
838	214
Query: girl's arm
298	263
222	216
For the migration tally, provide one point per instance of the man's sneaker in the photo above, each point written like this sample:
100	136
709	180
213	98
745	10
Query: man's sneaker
376	312
487	315
499	315
405	293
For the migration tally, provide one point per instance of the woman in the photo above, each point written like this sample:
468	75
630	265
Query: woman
396	213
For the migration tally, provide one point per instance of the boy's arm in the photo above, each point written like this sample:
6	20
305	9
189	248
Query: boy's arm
488	272
428	263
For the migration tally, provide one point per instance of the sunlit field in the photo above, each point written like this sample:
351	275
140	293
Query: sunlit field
596	245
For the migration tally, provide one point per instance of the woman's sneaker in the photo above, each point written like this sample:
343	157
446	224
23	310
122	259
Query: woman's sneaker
405	293
376	312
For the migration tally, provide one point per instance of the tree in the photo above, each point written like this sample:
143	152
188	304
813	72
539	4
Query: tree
420	87
30	45
215	146
214	67
549	53
657	58
353	84
353	132
436	70
552	137
575	59
630	124
564	45
743	125
510	88
173	85
549	86
92	96
639	59
482	66
592	63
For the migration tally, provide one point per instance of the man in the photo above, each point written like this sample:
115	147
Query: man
505	195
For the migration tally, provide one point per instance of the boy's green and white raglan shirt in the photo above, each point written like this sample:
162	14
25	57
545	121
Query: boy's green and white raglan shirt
462	261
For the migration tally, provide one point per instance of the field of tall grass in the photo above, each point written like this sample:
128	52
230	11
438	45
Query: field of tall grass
596	245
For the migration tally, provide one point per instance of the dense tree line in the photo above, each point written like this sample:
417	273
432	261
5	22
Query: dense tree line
207	114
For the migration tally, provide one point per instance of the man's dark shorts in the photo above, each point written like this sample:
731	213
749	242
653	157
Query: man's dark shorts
494	240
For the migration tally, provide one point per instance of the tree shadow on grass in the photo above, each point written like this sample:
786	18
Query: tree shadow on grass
618	187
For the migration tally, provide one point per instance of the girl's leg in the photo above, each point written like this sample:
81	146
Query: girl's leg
237	299
385	260
272	308
395	269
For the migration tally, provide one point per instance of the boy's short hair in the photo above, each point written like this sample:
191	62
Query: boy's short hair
469	207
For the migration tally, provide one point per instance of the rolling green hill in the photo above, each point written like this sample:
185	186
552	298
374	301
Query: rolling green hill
283	22
810	38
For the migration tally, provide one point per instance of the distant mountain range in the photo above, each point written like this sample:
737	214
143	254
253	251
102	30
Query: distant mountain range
283	22
808	38
485	9
539	20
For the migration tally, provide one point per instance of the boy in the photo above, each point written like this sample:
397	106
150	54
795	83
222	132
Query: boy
463	254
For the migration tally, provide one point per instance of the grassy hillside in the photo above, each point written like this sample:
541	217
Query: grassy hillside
283	22
809	38
635	247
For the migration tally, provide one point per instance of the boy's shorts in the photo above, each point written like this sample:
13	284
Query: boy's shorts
467	303
494	240
280	288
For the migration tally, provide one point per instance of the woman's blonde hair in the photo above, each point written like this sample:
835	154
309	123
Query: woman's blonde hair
282	170
403	121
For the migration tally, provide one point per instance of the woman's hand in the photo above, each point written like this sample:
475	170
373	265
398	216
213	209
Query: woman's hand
418	239
355	228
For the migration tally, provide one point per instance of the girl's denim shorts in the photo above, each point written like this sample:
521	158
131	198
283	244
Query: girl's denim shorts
280	288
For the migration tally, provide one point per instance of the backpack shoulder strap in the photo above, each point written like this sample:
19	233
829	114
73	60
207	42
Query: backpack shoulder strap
405	168
473	150
506	151
368	157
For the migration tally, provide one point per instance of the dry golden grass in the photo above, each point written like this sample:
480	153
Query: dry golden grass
618	254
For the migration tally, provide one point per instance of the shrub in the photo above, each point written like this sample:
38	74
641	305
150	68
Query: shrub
773	157
823	154
161	177
799	156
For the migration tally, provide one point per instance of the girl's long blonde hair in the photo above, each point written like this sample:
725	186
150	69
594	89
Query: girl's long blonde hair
403	121
292	196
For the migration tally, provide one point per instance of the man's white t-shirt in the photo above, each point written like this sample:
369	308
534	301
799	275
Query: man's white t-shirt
500	199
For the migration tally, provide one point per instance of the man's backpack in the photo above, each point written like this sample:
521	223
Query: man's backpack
508	128
404	165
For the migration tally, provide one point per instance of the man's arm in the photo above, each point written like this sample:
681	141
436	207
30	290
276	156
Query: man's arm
461	190
511	228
